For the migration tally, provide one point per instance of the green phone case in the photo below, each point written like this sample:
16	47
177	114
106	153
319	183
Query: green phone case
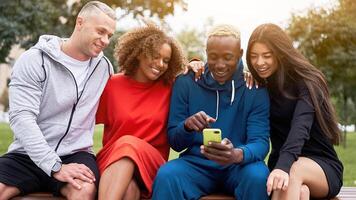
211	135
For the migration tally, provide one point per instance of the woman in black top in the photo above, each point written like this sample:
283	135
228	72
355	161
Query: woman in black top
303	162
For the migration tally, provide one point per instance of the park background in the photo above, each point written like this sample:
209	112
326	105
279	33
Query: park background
323	30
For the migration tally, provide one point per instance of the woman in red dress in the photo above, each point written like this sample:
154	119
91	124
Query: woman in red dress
134	109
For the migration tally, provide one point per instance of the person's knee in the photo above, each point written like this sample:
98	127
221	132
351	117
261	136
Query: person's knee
133	187
132	191
163	174
168	176
260	176
304	192
252	182
87	191
168	171
7	192
128	139
295	173
257	173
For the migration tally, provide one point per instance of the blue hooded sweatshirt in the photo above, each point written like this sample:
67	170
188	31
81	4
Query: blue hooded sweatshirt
240	113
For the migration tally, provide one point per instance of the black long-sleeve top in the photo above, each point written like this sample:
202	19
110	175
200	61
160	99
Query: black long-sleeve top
295	131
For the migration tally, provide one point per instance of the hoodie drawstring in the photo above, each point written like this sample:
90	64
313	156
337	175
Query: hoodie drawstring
231	101
232	92
217	105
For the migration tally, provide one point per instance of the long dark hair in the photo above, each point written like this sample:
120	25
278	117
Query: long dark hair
292	64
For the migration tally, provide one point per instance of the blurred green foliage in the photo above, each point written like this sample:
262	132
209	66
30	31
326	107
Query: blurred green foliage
328	38
23	21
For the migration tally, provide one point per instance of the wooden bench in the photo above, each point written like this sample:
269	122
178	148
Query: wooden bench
48	196
38	196
346	193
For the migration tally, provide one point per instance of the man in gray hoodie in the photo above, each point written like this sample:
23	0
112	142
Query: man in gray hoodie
54	92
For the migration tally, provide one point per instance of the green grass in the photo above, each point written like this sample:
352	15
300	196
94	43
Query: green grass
6	137
347	155
97	137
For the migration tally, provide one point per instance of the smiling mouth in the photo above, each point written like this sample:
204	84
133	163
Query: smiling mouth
99	46
220	74
262	69
155	70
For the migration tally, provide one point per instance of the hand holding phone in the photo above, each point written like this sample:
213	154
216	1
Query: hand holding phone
211	135
222	152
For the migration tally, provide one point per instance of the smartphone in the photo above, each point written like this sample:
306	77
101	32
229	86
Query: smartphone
211	135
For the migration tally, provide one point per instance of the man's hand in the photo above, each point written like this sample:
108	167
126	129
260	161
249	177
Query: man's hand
197	67
277	180
72	171
198	121
223	153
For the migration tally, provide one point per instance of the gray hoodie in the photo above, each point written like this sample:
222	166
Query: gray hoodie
47	115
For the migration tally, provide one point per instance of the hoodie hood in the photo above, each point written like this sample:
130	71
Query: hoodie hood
51	45
208	82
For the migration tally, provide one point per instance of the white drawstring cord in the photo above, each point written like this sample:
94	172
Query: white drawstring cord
232	92
217	105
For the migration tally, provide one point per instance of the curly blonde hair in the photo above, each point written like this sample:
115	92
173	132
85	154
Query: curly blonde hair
147	41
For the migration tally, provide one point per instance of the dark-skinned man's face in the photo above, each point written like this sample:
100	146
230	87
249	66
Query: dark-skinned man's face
223	53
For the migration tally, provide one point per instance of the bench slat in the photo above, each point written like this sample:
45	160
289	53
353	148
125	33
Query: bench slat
217	197
39	196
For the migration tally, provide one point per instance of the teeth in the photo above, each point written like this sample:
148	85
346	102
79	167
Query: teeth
262	69
155	70
220	73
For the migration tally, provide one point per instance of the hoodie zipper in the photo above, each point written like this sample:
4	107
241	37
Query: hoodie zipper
69	123
75	105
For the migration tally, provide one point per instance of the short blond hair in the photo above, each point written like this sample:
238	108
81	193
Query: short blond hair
224	30
92	7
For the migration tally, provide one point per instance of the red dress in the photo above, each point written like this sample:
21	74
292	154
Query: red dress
135	116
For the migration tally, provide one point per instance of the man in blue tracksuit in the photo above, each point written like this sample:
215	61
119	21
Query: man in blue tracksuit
219	99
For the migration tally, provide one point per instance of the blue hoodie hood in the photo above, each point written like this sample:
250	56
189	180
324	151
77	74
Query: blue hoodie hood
208	82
